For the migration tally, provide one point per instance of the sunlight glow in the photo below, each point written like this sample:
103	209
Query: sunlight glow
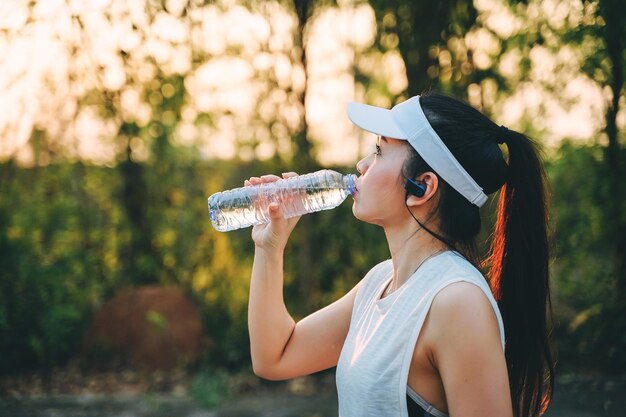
557	100
336	38
241	68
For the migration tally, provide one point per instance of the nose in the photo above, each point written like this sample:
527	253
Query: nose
362	166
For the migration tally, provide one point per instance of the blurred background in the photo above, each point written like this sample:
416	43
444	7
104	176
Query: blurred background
119	118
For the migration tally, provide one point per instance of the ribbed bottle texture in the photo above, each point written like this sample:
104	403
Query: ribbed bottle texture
248	206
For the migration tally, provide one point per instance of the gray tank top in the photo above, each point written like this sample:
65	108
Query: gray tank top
373	368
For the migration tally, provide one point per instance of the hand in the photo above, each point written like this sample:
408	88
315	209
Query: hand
273	235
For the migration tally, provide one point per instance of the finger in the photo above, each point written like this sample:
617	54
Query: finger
275	211
270	178
289	174
247	183
255	180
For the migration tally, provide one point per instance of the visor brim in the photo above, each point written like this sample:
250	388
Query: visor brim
375	120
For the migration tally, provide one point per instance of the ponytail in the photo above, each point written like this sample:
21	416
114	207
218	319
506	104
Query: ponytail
519	277
518	259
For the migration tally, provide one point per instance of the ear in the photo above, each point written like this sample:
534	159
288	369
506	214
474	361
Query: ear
431	182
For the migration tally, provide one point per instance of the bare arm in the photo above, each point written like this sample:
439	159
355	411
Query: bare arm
466	350
280	347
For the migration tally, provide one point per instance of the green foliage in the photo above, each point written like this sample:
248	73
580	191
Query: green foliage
157	320
420	31
589	313
62	242
209	389
71	234
63	245
49	275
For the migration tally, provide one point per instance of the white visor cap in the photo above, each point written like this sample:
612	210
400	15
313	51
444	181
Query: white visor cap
407	121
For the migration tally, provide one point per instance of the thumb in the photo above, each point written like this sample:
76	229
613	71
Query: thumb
275	211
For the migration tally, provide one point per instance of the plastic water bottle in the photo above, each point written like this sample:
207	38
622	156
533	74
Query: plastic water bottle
248	206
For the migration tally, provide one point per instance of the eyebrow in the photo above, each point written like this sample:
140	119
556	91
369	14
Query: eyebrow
383	138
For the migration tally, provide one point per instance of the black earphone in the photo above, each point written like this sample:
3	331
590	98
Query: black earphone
415	188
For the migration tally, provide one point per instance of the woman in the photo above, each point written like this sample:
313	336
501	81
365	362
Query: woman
423	333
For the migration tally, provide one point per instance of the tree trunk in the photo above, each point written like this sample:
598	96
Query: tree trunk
307	276
414	45
421	26
614	15
139	259
304	148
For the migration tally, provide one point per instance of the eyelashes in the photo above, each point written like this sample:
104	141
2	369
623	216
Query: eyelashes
377	150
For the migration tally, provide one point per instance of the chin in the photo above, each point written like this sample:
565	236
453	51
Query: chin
363	216
357	213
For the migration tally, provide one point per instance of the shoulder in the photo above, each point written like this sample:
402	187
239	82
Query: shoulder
464	347
462	292
462	315
461	300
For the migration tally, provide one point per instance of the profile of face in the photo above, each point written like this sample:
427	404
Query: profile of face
380	198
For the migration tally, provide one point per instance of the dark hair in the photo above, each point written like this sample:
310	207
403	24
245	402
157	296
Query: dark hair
519	254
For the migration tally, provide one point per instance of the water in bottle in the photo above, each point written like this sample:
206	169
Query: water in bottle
248	206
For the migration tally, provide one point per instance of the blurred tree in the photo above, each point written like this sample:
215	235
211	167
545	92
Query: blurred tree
307	275
430	38
611	31
58	250
596	29
303	161
602	35
588	327
161	89
614	36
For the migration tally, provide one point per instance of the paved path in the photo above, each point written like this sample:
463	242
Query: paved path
577	399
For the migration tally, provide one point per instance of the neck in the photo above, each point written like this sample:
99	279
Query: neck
410	246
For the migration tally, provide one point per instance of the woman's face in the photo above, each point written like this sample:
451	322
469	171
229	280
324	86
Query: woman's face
381	196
